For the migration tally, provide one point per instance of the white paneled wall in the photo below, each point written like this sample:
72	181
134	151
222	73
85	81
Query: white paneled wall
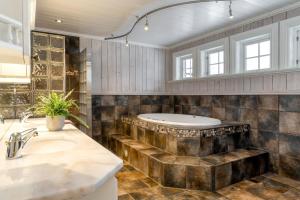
277	83
117	69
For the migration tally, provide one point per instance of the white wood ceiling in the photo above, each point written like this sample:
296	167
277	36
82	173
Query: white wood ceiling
168	27
93	17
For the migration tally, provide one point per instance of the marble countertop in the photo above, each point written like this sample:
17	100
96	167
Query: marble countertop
64	165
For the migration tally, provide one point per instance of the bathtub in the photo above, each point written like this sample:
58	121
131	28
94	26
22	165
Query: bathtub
179	120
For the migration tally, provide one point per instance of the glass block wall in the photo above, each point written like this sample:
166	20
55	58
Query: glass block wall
48	73
48	64
55	67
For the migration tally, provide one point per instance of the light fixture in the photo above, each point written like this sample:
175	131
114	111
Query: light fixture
58	21
126	42
146	28
230	11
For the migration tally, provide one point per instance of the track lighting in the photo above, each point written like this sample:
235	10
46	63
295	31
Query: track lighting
230	11
59	21
126	42
151	12
146	28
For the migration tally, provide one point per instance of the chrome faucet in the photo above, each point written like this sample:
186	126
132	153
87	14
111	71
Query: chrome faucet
17	142
1	119
25	115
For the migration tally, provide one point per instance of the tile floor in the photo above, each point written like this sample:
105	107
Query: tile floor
133	185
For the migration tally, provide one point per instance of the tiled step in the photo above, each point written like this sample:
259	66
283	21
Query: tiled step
199	173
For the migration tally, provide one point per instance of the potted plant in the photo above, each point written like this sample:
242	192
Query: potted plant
56	107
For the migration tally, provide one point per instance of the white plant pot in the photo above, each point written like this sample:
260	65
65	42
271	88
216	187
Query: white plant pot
55	123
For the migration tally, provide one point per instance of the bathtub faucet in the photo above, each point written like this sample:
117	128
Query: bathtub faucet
17	142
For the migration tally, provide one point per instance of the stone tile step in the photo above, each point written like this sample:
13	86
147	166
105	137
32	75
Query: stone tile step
213	140
199	173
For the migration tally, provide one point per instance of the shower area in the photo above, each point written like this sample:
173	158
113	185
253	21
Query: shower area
57	65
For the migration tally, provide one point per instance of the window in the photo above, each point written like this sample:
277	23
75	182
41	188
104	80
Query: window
184	64
290	43
214	57
215	62
255	50
187	66
258	55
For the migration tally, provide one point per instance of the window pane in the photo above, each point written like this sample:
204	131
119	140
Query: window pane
187	67
265	48
221	68
251	50
213	58
214	69
265	62
187	63
252	64
221	56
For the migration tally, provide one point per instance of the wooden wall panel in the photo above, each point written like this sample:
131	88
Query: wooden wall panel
104	71
117	69
125	68
273	83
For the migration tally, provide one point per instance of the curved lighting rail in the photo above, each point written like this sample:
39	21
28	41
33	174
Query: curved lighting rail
163	8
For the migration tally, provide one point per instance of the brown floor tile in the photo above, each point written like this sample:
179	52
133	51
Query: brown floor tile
292	194
149	182
147	194
125	197
133	185
244	184
129	176
204	195
184	196
284	180
268	187
234	193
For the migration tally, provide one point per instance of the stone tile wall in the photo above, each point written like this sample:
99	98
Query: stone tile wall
274	119
12	104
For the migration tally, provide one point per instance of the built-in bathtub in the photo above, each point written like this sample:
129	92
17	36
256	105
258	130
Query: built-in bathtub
186	135
180	120
186	151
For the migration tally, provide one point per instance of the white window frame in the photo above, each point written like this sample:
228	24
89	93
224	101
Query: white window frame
257	40
182	67
207	66
215	46
289	46
237	48
177	64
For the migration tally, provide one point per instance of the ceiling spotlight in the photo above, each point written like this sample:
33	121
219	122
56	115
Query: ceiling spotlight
146	28
230	11
126	42
58	21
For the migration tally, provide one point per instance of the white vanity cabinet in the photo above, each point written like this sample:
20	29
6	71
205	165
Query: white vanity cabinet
16	22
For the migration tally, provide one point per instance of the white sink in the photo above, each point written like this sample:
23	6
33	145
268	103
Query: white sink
47	145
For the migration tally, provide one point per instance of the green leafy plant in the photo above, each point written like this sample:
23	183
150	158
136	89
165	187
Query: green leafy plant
57	105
